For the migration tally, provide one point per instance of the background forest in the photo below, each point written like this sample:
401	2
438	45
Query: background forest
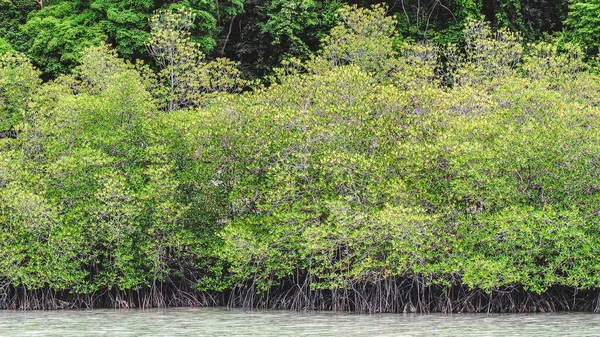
300	155
261	33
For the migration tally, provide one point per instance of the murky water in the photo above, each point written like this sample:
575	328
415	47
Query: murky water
222	322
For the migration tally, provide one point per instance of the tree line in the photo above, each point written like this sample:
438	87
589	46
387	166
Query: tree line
376	174
261	33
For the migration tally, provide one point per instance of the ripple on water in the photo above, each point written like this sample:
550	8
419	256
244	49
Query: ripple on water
223	322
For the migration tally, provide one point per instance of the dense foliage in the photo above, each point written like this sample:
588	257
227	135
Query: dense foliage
261	33
363	177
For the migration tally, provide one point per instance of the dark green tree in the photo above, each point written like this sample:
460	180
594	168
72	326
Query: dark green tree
584	20
58	35
13	13
271	30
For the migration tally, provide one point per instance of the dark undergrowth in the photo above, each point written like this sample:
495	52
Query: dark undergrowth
392	295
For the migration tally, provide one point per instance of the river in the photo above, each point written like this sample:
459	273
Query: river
223	322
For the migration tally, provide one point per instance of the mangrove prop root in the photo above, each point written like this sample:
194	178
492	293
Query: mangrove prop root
392	295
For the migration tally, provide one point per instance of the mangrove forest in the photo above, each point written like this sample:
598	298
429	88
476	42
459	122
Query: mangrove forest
359	156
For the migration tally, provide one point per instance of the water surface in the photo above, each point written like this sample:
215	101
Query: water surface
223	322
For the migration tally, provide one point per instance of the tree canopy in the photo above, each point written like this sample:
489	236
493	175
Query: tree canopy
261	33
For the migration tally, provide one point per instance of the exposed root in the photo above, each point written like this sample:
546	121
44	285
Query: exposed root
396	295
390	295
